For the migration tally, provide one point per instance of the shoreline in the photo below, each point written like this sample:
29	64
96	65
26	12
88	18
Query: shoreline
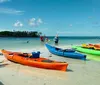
79	72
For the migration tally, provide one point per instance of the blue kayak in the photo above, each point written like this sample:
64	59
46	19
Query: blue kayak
65	52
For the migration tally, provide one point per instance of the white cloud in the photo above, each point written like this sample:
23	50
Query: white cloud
10	11
32	22
2	1
18	24
39	21
35	22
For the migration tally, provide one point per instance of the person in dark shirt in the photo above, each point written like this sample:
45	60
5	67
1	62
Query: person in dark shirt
56	39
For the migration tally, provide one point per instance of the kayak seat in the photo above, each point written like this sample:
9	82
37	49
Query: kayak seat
58	49
35	54
65	50
68	50
24	55
10	53
49	61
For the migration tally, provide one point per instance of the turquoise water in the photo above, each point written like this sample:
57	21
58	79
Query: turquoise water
14	43
21	43
17	43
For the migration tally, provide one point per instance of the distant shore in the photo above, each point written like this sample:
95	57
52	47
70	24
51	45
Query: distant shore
19	34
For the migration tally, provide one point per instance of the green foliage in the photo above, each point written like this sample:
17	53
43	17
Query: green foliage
19	34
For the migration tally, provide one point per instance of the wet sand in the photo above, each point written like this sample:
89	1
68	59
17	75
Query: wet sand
79	72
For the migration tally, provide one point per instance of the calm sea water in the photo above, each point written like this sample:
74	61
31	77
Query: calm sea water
34	44
21	43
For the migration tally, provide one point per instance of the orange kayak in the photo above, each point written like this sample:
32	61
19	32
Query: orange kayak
88	46
97	46
40	62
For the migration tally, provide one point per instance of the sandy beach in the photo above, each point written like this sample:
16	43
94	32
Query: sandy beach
79	72
27	25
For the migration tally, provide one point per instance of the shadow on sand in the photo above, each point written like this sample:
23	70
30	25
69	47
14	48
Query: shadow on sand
1	83
3	65
1	54
69	70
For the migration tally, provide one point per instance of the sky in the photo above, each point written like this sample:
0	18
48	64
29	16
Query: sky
51	17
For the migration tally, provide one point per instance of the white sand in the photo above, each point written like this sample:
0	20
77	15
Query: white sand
79	72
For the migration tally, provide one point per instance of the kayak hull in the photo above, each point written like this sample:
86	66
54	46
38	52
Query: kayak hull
68	54
86	50
35	62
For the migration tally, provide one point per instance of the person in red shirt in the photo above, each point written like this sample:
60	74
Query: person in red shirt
42	38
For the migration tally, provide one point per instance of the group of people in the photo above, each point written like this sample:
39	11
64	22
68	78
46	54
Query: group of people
44	38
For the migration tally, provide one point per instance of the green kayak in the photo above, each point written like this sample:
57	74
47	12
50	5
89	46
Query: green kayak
86	50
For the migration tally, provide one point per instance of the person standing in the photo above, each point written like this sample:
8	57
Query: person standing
56	39
42	38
